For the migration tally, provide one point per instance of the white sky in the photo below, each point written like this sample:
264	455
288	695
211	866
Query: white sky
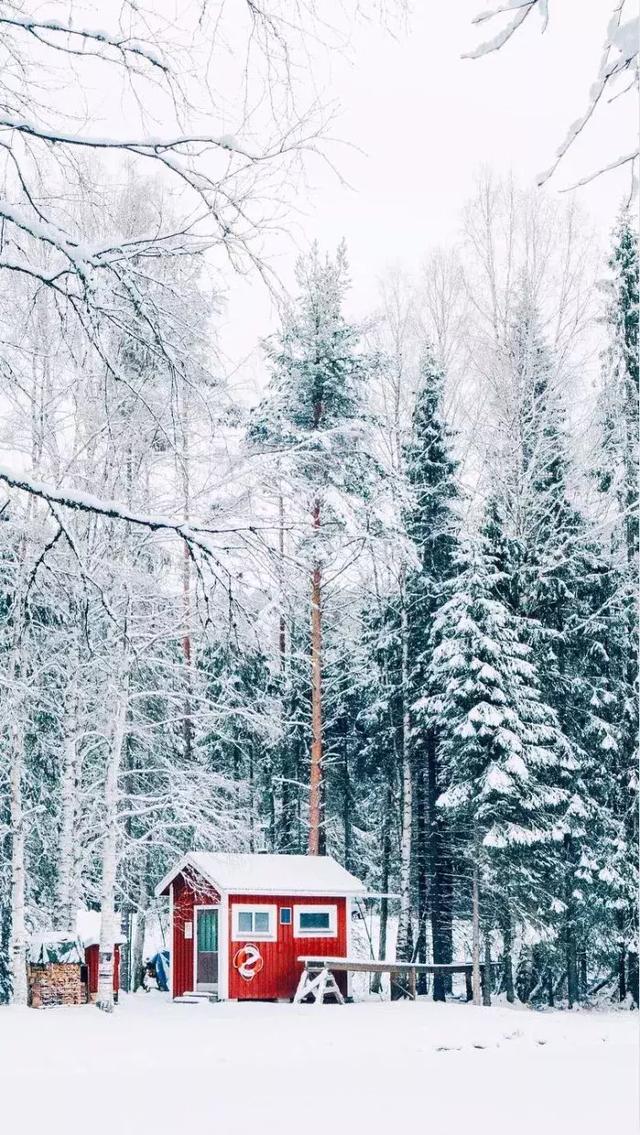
425	121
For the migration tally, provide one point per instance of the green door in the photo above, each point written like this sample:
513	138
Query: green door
207	948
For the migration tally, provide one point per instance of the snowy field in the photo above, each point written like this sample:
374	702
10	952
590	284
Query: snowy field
154	1068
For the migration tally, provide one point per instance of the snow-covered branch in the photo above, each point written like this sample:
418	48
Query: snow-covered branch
619	57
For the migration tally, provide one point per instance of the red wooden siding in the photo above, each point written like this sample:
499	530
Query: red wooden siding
92	960
281	971
187	893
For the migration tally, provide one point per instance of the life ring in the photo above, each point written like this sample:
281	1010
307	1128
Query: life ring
248	961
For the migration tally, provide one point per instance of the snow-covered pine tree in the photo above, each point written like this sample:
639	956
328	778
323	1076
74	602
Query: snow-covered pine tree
551	575
433	524
503	752
618	480
313	418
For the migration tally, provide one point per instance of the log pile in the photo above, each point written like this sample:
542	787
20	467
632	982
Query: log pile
58	983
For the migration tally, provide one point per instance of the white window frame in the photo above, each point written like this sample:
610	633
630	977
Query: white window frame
330	908
194	934
238	935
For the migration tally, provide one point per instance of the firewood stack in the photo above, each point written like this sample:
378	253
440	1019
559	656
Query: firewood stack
59	983
56	971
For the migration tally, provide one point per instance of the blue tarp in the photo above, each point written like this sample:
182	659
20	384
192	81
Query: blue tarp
161	964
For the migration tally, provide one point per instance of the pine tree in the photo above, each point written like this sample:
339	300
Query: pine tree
553	575
618	475
432	524
313	412
503	751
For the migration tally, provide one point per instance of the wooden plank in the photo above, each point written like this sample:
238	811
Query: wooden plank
358	965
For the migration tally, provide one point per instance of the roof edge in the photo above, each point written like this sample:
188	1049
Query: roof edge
186	861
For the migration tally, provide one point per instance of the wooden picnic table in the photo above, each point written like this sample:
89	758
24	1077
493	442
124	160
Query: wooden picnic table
314	965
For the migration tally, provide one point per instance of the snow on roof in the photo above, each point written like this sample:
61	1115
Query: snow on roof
88	928
268	874
48	948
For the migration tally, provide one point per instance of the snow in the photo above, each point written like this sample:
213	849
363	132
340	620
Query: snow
271	874
55	947
88	928
155	1068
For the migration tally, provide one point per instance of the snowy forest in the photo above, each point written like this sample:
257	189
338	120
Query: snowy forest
385	607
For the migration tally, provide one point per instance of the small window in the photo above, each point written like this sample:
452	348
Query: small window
254	922
285	915
309	921
315	921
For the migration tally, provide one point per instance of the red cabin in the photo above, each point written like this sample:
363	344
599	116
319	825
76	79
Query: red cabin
240	922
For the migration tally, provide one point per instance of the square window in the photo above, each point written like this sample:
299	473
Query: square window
260	922
285	915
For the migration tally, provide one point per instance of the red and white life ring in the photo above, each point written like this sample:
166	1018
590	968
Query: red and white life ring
248	961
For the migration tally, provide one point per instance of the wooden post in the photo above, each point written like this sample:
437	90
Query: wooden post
468	984
412	984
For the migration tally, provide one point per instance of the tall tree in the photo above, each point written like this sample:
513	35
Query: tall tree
433	523
504	753
314	411
618	480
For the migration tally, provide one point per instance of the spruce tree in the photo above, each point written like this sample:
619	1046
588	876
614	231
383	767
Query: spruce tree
617	475
549	576
504	754
432	524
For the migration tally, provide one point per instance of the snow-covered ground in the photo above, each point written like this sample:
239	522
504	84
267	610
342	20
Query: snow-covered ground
155	1068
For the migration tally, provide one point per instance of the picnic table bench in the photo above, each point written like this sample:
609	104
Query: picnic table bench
317	977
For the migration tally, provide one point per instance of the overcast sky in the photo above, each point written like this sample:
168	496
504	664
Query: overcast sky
424	120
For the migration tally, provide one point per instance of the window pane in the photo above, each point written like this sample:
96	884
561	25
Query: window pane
315	921
245	921
285	915
261	922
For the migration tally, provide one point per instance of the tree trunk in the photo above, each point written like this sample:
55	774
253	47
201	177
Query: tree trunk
108	926
475	930
376	984
187	725
570	936
439	867
316	775
347	804
486	984
622	957
507	940
18	953
65	914
633	976
404	947
423	874
137	950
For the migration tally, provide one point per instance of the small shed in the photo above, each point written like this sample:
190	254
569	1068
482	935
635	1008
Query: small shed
239	923
56	970
92	959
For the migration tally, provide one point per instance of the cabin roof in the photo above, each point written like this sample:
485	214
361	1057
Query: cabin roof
268	874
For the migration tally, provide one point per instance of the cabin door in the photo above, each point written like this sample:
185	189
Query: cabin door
207	947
